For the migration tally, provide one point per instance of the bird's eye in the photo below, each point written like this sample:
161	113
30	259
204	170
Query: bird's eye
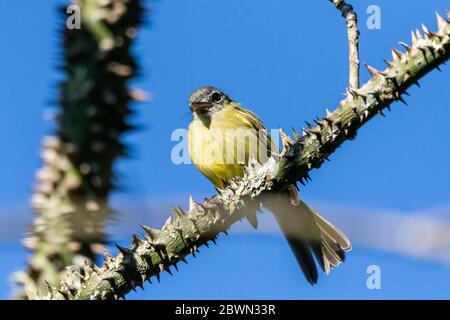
216	97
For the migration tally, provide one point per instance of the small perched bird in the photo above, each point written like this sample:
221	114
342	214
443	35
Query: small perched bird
223	137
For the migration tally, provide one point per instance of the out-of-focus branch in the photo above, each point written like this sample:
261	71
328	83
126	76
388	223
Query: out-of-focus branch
351	20
71	197
187	230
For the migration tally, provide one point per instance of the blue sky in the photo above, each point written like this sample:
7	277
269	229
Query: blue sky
287	63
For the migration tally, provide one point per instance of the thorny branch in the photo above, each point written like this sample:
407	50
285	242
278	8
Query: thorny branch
182	235
73	186
351	20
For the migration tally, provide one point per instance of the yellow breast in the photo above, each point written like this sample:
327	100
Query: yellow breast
221	145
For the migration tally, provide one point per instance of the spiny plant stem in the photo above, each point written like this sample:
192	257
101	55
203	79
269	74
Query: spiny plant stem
183	234
71	197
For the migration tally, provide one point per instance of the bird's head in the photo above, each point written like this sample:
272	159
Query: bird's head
207	100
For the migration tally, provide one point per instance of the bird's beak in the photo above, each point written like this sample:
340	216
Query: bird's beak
200	107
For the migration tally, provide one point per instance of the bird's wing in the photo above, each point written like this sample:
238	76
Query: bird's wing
254	122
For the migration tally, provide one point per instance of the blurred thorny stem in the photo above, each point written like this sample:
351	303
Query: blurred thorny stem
187	230
72	189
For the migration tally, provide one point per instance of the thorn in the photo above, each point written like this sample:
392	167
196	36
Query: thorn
124	251
424	53
366	113
309	125
389	63
70	287
431	48
152	233
183	260
214	241
381	113
143	277
177	212
396	55
426	32
361	117
406	46
435	35
373	72
316	133
329	121
171	256
194	221
320	124
180	232
402	100
64	294
49	286
167	223
302	182
440	21
305	132
353	93
296	135
417	84
418	35
192	205
181	210
413	39
136	241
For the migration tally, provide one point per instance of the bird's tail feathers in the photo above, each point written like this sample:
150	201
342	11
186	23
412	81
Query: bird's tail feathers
310	236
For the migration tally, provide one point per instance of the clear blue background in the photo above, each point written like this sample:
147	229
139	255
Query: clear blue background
285	60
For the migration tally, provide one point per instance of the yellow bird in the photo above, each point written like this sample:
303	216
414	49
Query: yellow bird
223	137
